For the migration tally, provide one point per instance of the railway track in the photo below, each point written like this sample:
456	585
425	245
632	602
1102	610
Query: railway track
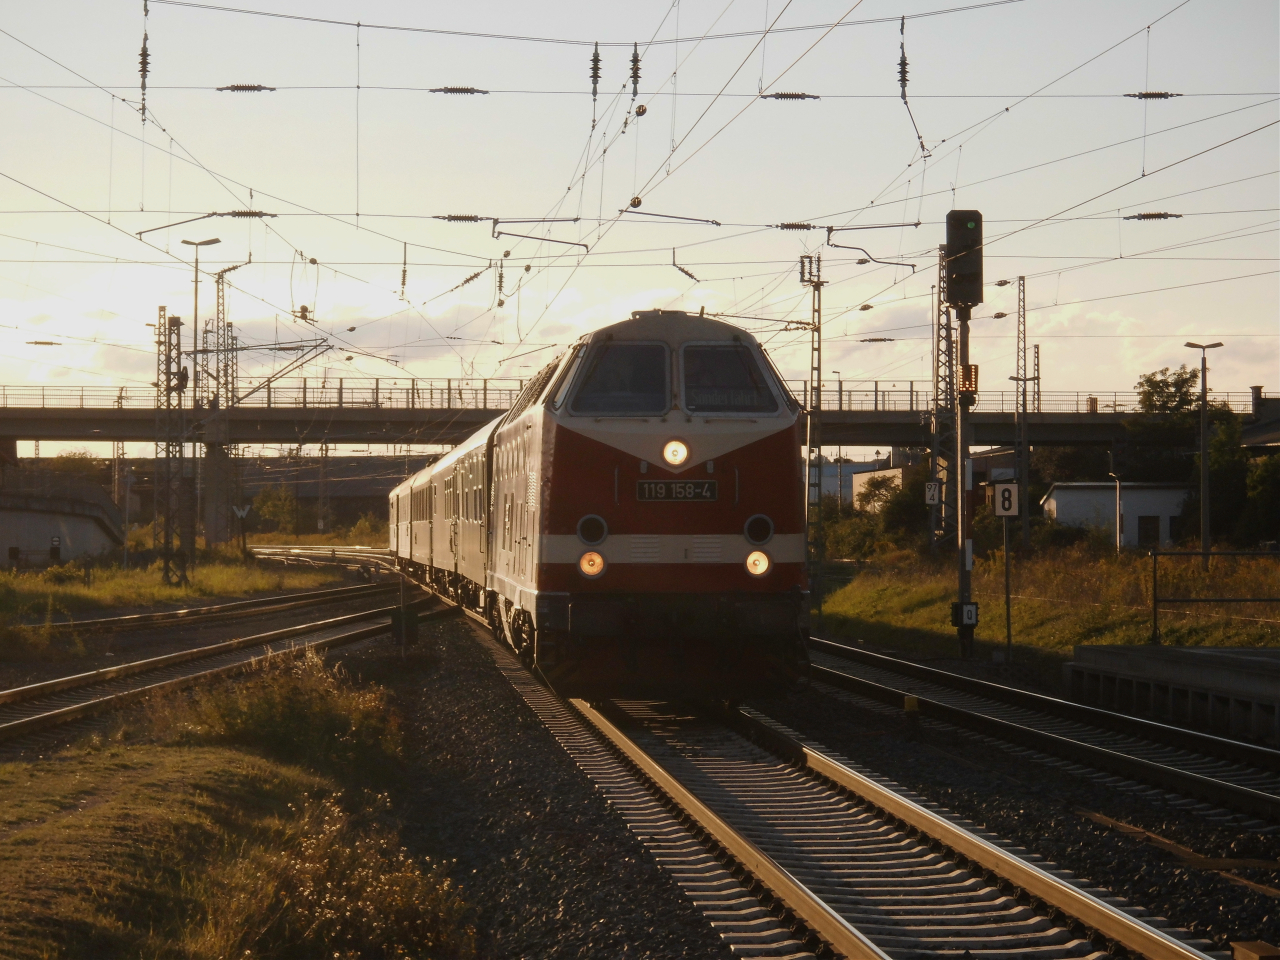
349	557
30	709
792	851
224	611
1220	773
868	869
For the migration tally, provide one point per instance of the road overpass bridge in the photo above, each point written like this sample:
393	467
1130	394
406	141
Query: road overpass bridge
444	411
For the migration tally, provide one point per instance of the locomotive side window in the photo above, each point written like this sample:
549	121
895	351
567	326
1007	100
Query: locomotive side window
623	379
725	378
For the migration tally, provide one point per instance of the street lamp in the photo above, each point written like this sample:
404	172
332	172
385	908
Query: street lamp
195	318
1111	463
1206	542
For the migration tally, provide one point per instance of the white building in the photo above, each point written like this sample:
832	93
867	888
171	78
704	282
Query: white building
1150	513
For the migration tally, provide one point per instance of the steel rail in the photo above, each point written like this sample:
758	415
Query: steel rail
18	694
1204	743
806	905
1218	792
1049	892
1115	924
29	724
275	604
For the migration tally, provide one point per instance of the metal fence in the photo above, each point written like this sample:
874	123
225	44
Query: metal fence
500	393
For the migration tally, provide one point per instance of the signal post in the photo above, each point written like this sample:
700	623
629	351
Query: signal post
964	290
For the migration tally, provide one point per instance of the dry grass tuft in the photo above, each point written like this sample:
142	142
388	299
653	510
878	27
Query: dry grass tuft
340	886
295	710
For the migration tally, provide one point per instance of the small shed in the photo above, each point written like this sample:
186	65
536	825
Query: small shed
1150	513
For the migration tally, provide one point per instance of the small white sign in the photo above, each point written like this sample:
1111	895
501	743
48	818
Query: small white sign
55	541
932	493
242	512
969	614
1006	499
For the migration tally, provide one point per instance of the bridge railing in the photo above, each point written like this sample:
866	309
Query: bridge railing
500	393
918	395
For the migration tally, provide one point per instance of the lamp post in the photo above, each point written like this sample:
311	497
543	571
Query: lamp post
1111	463
1206	541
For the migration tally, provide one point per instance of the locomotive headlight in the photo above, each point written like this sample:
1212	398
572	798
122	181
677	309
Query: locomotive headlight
675	452
591	564
758	563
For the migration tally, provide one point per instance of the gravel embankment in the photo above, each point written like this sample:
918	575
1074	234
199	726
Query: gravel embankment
550	870
1034	805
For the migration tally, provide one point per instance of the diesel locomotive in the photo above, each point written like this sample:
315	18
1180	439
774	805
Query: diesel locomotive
634	525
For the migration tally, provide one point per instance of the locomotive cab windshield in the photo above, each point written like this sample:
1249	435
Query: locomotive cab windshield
725	378
625	379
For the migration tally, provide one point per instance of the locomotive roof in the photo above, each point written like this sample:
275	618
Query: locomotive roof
670	325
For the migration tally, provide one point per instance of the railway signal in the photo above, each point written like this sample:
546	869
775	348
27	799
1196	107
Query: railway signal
962	282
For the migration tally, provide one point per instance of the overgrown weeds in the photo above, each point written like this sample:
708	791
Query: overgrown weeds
295	710
340	886
1060	597
232	823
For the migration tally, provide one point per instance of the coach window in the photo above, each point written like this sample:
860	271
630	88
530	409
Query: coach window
623	379
725	378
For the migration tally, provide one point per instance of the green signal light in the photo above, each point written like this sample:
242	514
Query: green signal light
972	224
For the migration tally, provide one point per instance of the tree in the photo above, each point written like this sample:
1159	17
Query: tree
875	493
1260	519
1228	485
1166	391
279	505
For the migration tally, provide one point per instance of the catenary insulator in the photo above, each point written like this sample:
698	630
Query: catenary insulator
635	70
595	71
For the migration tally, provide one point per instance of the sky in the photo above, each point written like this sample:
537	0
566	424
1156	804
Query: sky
1020	108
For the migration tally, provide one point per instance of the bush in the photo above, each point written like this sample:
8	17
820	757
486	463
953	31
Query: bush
298	711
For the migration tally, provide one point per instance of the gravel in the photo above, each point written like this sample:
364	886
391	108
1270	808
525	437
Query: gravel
1034	805
549	868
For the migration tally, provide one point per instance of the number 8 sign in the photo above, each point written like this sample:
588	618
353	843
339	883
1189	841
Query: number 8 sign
1006	499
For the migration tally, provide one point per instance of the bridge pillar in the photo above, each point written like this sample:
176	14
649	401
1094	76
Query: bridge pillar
216	502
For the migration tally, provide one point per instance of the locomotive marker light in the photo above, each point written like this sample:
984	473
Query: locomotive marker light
591	564
675	452
758	529
758	563
592	530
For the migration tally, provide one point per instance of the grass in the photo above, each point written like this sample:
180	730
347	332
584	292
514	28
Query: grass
59	593
1060	598
218	829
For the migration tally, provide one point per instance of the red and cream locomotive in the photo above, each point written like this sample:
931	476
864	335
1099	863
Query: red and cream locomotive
634	525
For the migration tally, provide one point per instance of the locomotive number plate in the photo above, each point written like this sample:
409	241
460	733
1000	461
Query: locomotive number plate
676	490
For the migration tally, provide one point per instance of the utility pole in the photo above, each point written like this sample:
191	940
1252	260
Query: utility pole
189	499
942	514
811	276
170	382
964	290
1206	538
1035	377
1024	448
